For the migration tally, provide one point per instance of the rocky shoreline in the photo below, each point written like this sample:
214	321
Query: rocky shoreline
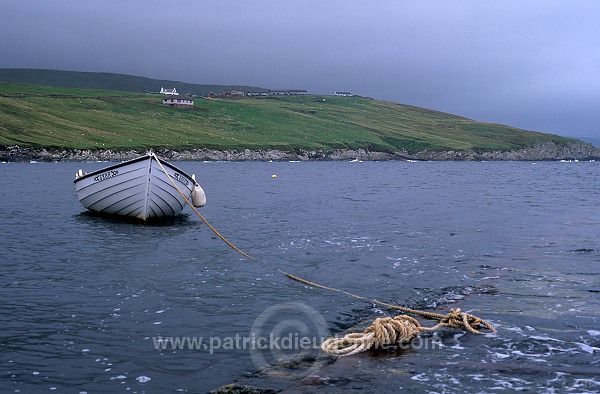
576	150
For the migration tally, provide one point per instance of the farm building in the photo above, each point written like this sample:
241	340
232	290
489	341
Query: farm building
286	92
179	102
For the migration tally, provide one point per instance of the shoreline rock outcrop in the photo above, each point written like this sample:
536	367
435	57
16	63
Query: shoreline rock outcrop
576	150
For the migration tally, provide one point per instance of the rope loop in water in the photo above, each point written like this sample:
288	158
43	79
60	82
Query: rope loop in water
383	332
458	319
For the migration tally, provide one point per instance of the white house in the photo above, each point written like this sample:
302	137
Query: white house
172	92
286	92
178	102
237	92
256	93
346	94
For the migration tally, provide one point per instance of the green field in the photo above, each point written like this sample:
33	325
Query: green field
53	117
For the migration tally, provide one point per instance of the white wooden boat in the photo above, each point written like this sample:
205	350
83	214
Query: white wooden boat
144	188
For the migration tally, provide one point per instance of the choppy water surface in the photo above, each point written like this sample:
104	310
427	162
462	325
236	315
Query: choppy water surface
86	301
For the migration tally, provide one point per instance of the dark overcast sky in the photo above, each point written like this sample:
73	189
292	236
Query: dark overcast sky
526	63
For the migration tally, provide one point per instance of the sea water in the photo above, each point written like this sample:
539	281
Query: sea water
90	304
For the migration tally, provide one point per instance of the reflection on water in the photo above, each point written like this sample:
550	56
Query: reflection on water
104	218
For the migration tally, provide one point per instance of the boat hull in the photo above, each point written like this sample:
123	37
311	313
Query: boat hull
137	188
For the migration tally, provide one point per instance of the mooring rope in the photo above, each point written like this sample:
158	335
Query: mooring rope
393	331
384	331
396	331
214	230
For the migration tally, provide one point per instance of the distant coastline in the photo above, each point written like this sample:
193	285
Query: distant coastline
82	122
576	150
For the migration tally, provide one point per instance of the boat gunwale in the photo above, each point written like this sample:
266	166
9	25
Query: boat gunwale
124	163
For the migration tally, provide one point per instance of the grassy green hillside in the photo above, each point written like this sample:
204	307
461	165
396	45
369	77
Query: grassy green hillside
36	116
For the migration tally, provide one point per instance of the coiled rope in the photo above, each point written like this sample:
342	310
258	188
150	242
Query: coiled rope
384	331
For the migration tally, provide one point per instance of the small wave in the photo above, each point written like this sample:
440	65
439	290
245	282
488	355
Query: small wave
433	298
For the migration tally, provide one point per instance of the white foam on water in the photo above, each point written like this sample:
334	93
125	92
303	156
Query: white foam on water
500	355
579	383
545	338
587	348
422	377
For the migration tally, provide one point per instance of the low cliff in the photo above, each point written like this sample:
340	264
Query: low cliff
575	150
